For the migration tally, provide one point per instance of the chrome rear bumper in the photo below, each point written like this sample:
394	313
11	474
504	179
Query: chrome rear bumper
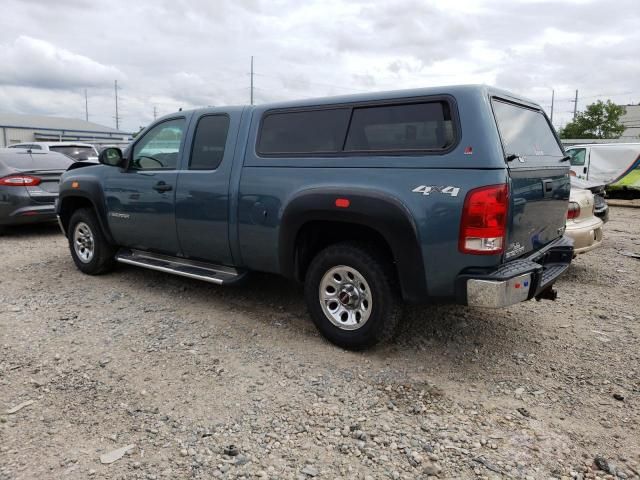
496	294
518	280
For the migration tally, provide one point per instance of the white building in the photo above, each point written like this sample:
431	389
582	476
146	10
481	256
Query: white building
17	128
631	122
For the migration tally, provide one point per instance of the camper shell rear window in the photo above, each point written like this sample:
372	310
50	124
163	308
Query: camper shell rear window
525	131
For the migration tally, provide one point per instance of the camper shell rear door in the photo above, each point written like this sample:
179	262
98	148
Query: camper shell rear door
539	178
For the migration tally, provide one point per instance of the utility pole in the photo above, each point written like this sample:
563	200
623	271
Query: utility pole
575	106
155	112
553	94
86	106
117	116
251	79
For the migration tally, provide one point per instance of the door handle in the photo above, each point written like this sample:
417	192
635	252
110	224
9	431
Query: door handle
162	187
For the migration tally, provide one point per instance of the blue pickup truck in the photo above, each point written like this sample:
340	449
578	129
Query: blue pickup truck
453	194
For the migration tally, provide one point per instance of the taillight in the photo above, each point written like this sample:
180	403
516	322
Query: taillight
484	220
573	210
20	181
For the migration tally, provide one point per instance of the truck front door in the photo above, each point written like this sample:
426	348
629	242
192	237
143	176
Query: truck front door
141	199
202	196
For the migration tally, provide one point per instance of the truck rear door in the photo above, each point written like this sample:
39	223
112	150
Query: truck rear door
539	177
202	197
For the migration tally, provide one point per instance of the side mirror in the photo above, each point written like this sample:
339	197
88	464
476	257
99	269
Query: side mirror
111	156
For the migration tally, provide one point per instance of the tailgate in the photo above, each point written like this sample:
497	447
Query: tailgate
540	182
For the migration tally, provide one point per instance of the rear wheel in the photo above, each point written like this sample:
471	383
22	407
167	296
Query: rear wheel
90	250
351	293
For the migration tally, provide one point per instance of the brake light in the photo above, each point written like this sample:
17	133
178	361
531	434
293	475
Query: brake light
20	181
573	210
484	220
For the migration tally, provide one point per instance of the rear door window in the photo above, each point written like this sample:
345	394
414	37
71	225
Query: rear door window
526	132
419	126
304	132
75	152
209	142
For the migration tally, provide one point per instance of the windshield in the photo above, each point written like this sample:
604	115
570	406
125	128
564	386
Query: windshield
76	152
525	132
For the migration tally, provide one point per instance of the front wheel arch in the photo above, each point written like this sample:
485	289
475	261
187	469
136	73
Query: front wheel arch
102	257
70	204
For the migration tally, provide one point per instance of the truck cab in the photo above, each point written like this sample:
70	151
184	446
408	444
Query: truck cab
451	194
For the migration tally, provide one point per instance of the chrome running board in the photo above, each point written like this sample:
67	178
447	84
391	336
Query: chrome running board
207	272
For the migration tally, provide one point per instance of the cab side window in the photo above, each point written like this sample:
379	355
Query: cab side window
209	142
159	149
577	156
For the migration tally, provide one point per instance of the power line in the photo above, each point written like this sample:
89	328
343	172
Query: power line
319	84
115	88
251	79
609	95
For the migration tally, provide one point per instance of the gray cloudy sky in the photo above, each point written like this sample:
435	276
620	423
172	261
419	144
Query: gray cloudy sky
181	53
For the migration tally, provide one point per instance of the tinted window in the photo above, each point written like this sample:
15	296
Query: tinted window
525	132
209	141
159	147
316	131
577	156
419	126
76	153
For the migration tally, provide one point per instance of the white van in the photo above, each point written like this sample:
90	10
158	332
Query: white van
614	165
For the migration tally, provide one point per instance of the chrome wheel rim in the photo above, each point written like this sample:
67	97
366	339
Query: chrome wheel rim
345	297
83	242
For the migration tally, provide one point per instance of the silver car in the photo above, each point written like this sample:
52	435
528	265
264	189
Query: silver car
29	185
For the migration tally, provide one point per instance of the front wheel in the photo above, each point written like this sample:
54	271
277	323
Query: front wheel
352	295
90	250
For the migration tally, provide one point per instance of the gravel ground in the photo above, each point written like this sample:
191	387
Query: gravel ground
197	381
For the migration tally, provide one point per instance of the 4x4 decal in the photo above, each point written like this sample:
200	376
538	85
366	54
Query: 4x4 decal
429	189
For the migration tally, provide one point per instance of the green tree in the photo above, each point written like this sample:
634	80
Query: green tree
599	120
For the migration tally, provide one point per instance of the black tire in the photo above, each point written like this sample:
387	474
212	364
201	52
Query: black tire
102	259
379	274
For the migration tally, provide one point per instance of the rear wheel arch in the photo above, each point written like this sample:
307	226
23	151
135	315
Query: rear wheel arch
311	222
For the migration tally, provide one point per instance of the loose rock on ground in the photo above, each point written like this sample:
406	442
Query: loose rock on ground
184	370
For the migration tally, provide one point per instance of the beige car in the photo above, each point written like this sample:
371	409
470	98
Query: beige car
582	225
